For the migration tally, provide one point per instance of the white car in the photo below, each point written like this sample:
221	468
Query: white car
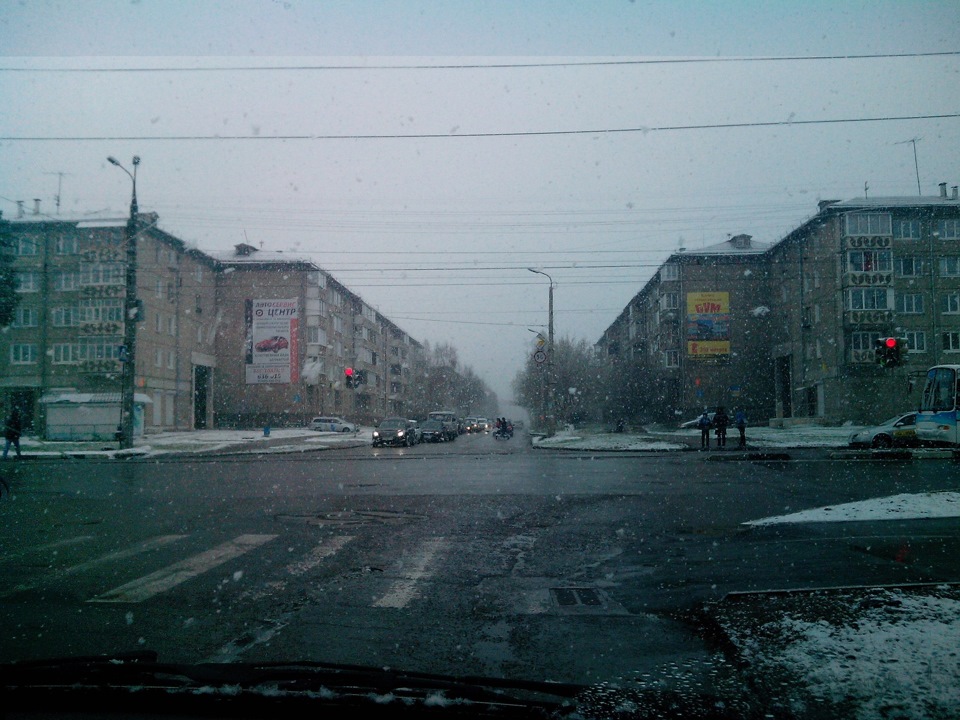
327	423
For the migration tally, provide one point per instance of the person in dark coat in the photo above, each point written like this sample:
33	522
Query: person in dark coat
720	421
11	432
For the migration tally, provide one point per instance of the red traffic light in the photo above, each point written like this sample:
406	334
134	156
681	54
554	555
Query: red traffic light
348	372
890	342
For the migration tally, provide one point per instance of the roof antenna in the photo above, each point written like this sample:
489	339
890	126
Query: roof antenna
865	188
916	164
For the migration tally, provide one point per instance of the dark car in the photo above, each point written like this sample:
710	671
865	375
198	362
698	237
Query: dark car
394	431
433	431
900	431
273	344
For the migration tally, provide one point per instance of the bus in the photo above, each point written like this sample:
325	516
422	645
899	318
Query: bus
937	417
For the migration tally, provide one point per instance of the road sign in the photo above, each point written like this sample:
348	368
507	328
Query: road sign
539	357
541	341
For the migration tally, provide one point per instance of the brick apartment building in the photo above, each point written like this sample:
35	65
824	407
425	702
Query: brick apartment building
788	330
202	318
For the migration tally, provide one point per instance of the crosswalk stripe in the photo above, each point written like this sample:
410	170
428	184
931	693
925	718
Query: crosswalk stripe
162	580
405	590
12	555
141	547
322	551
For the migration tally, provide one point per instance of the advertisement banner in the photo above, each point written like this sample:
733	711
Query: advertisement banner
708	324
271	342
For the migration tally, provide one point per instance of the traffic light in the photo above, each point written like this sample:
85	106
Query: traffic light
889	351
348	376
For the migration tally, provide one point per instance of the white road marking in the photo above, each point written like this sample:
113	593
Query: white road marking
162	580
11	555
322	551
145	546
405	590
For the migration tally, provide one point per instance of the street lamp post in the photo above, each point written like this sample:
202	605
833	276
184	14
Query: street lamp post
131	315
548	410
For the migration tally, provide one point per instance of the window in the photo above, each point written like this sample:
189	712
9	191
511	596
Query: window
909	266
869	260
868	224
93	311
863	340
23	354
867	299
910	303
951	304
64	354
337	324
27	282
66	245
316	335
670	301
950	266
99	348
65	316
671	358
25	317
171	360
949	229
158	358
102	274
951	342
25	247
916	341
670	271
65	281
159	288
172	325
158	323
906	229
198	273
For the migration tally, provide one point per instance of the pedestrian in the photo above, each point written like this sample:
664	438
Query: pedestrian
720	421
11	432
740	420
703	422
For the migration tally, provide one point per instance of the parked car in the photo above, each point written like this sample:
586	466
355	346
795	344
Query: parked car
433	431
900	431
327	423
273	344
394	431
695	423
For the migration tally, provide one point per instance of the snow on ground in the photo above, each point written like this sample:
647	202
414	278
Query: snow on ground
907	506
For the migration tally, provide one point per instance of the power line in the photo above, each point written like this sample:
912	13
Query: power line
484	66
461	136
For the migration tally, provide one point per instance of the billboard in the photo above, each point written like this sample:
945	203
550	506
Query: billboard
271	341
708	324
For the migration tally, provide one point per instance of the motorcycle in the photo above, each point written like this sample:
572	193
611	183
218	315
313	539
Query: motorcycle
503	433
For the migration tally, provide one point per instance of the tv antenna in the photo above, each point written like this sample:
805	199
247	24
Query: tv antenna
916	164
59	187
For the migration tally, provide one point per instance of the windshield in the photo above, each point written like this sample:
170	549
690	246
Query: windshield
370	342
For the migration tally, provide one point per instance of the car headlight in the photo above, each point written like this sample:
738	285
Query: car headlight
399	433
376	434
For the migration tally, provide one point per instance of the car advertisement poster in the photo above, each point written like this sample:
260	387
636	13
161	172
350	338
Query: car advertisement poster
271	352
708	324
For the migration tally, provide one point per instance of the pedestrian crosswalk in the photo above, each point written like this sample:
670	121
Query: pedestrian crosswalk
400	585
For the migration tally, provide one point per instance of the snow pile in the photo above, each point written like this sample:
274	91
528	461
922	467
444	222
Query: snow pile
869	655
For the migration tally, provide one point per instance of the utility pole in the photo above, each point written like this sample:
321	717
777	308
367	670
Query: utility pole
131	308
550	419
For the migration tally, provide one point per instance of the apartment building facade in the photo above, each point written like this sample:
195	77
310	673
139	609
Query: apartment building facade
246	339
804	315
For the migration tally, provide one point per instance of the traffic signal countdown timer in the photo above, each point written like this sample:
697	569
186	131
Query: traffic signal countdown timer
889	351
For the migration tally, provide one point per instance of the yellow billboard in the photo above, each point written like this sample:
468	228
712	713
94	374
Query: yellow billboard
708	324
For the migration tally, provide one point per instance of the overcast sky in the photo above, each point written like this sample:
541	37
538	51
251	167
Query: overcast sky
427	153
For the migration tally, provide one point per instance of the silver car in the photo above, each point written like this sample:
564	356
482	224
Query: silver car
900	431
329	423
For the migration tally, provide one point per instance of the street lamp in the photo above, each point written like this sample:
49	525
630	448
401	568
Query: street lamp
128	353
549	394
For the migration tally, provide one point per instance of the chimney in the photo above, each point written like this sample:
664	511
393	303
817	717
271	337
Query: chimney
954	192
19	208
36	206
943	190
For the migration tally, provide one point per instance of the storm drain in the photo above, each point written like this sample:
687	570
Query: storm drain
572	597
353	518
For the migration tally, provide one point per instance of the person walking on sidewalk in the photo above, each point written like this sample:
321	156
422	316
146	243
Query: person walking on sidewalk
720	421
11	432
703	422
740	420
